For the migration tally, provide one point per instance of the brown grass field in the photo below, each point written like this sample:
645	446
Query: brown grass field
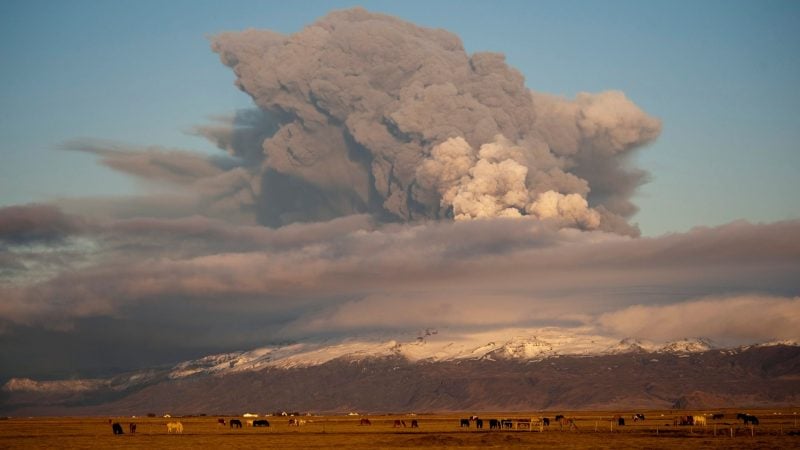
778	429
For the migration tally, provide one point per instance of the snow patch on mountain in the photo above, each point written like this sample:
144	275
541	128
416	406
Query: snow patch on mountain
632	345
430	345
688	345
789	342
434	346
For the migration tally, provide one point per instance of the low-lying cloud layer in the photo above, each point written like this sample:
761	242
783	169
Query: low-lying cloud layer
745	318
243	285
386	181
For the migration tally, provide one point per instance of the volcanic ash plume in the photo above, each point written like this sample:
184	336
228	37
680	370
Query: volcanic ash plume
492	183
372	114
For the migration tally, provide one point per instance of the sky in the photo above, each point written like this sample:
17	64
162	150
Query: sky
651	150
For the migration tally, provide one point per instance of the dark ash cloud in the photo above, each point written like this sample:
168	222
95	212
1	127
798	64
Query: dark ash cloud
363	113
362	102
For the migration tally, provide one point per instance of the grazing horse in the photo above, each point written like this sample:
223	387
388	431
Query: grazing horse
479	423
620	421
414	423
132	428
494	424
638	417
683	421
365	421
507	423
116	428
546	422
399	423
568	422
260	423
699	420
747	418
221	422
464	423
174	427
236	423
563	421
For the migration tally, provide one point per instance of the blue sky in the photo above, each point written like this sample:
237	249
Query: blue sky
722	76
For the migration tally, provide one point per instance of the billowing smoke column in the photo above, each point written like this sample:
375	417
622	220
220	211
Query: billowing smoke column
368	113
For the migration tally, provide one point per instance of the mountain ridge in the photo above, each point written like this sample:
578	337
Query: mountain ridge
519	374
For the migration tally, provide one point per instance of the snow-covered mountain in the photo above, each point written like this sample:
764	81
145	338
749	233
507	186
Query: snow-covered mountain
429	345
687	345
437	370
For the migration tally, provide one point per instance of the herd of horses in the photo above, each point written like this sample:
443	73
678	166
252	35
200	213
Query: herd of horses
746	419
236	423
524	423
569	422
398	423
494	424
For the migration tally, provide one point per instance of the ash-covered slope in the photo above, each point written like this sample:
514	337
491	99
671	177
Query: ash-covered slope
749	376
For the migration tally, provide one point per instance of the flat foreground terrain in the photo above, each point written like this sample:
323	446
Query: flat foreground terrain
777	429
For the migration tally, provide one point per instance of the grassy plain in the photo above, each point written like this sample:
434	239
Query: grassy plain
778	429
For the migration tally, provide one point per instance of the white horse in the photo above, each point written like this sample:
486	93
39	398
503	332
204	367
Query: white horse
296	422
700	420
174	427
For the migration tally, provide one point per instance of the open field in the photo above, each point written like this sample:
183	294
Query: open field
778	429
